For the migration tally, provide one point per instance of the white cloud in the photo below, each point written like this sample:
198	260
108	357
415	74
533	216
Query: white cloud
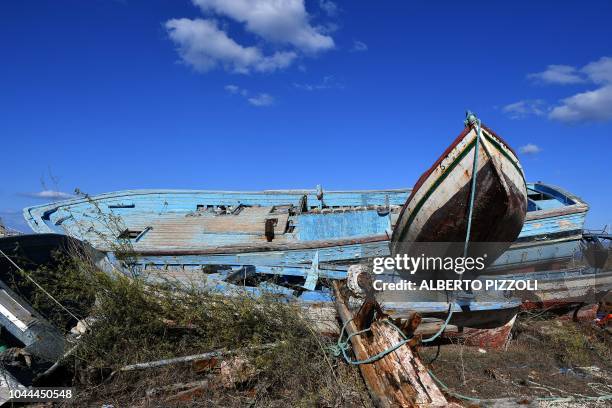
260	100
530	148
359	46
525	108
599	71
263	99
232	88
48	195
586	106
204	46
328	82
329	7
278	21
558	74
593	105
235	89
590	105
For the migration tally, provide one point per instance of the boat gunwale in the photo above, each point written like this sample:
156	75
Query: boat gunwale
33	213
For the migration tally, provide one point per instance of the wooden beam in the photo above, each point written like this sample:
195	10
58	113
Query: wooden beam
370	376
397	379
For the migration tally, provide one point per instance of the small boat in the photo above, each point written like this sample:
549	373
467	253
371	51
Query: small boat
475	192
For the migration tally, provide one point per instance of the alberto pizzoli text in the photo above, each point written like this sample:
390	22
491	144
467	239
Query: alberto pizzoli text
458	285
459	265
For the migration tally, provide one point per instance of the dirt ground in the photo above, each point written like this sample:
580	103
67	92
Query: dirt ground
547	357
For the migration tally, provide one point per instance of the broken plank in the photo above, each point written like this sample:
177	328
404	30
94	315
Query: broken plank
398	378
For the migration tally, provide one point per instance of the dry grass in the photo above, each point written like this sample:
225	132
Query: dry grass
133	322
546	358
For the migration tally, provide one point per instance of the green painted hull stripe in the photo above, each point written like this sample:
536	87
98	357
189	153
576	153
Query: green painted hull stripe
438	181
454	164
502	151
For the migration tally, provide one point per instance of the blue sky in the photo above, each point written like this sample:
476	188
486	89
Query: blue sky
235	94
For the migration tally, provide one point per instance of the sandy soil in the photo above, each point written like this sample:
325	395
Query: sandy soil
545	358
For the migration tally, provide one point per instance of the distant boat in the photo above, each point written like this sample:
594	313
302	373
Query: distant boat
441	205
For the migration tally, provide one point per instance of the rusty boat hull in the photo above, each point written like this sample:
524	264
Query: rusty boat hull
438	208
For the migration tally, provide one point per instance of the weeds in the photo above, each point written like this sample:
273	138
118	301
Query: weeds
132	321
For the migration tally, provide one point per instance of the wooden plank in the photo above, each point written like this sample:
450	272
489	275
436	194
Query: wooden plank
368	371
397	379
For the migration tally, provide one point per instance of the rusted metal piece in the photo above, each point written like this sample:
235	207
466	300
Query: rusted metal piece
269	229
495	339
397	379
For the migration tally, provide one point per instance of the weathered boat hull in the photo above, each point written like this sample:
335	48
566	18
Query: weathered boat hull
478	315
352	225
438	208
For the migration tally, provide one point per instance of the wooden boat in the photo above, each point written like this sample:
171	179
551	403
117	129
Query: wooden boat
183	228
441	204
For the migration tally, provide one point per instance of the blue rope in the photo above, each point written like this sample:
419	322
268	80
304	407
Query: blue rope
341	347
470	119
442	328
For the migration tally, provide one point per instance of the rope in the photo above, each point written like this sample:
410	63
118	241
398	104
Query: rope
443	327
342	347
38	286
471	119
436	356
